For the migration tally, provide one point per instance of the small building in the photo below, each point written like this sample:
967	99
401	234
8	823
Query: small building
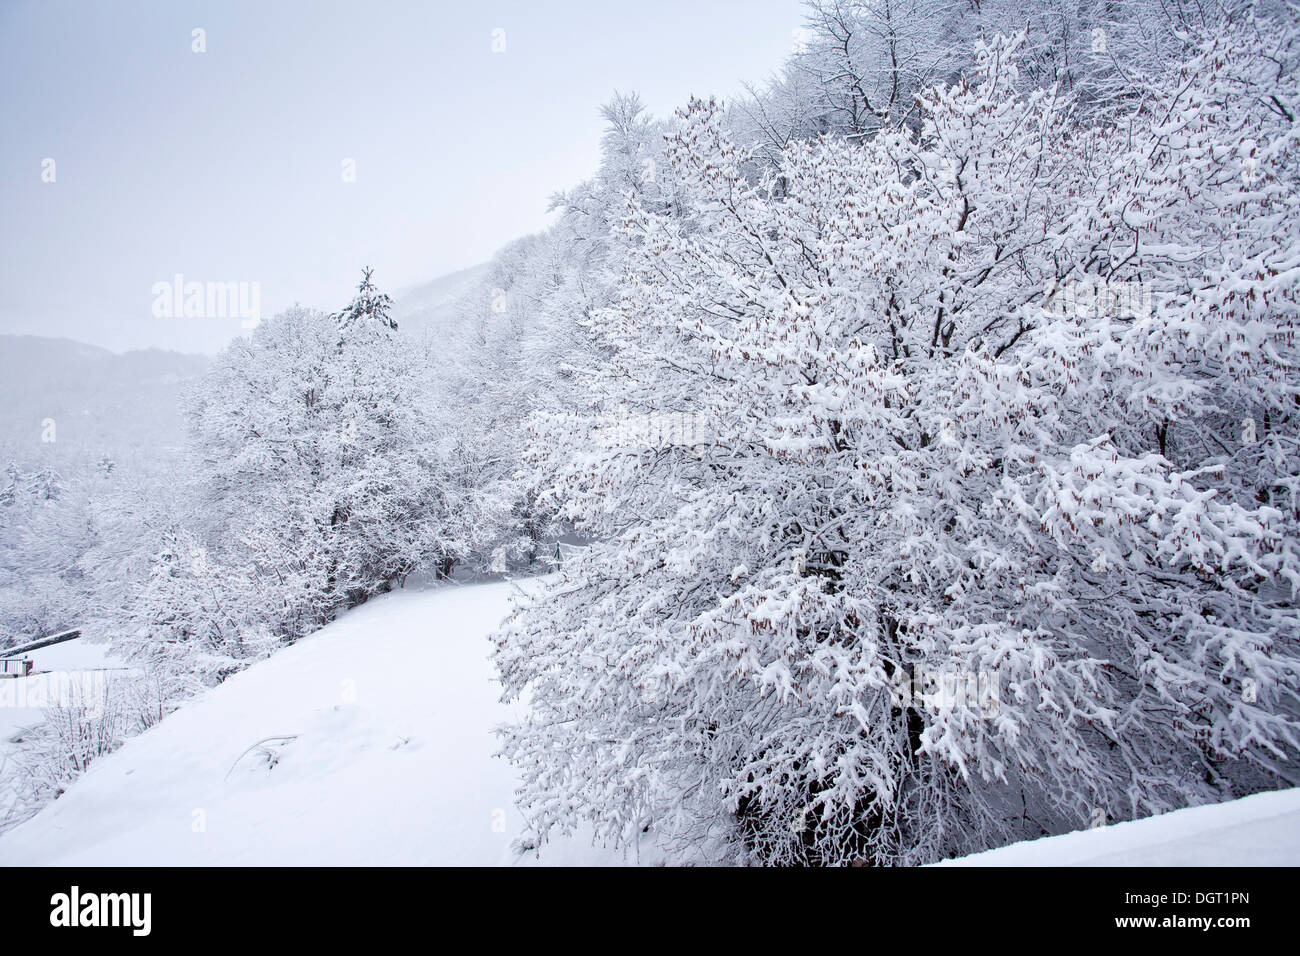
15	667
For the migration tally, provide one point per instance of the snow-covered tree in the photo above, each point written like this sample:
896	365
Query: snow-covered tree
525	331
326	459
869	58
193	621
369	305
969	397
69	541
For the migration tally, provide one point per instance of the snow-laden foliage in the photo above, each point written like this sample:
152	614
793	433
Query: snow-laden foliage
326	474
88	720
38	584
194	621
68	543
858	65
320	456
526	330
1008	406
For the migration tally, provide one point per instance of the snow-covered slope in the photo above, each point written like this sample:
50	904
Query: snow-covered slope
391	709
430	308
1261	830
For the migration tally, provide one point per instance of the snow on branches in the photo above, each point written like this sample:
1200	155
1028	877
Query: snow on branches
921	464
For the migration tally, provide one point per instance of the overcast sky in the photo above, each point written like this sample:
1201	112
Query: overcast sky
228	165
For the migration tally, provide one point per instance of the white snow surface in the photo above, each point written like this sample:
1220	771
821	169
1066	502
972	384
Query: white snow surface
1259	830
392	709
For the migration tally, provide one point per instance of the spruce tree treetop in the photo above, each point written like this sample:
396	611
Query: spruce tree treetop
369	303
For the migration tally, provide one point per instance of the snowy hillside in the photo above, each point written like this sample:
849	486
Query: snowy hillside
376	748
1261	830
391	710
427	308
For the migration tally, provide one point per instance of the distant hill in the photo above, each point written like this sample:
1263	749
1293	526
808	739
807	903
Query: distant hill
128	405
428	307
100	402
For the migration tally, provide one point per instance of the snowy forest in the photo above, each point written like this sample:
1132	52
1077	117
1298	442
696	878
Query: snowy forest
903	458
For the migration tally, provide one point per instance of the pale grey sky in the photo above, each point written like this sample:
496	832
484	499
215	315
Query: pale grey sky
227	165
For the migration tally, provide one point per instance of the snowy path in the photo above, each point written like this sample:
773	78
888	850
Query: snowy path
392	707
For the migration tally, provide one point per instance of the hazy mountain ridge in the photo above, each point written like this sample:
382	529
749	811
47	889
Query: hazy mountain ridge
429	307
63	398
119	404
